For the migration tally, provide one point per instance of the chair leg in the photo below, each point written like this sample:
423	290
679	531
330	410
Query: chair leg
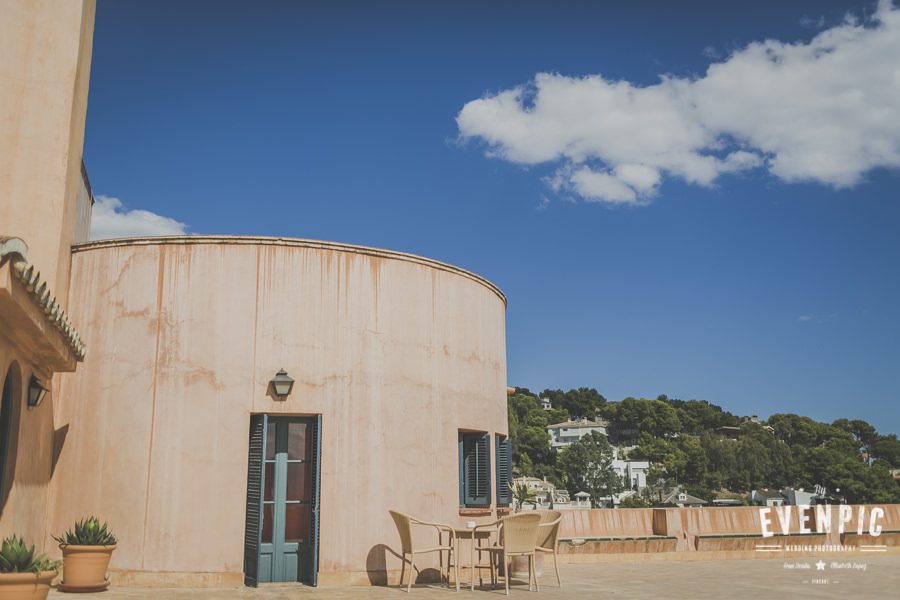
480	576
530	585
412	573
537	586
556	566
506	572
402	568
530	573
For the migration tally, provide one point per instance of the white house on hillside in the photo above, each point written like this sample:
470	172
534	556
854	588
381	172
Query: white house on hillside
766	497
633	472
569	432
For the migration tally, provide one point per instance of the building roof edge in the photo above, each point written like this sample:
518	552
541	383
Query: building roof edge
289	242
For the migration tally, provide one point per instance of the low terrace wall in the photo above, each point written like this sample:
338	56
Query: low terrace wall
733	528
729	532
612	531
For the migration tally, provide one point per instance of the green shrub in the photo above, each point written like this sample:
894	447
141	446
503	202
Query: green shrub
17	557
88	532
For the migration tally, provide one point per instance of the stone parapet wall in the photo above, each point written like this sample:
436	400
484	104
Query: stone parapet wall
729	532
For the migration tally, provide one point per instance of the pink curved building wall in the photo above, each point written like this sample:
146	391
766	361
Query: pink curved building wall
397	353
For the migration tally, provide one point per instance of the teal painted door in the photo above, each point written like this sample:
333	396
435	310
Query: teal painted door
289	501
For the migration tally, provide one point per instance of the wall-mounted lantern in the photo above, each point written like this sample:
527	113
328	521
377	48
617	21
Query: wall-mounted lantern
282	384
36	392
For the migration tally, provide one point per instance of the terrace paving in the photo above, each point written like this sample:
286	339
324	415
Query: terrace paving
732	579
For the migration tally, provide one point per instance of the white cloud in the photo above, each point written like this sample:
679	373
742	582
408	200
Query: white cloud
808	22
710	52
110	219
814	318
825	111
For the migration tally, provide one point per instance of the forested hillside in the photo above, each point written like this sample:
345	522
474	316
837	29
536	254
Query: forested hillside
683	440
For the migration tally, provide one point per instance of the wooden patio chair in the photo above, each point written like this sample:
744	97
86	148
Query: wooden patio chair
548	536
404	525
519	535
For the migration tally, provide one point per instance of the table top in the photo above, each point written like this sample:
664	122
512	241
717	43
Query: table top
467	531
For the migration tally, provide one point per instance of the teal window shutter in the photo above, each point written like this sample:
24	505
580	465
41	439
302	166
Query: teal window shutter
475	469
316	460
504	470
462	471
252	523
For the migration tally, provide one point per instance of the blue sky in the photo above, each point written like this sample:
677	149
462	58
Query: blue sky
729	236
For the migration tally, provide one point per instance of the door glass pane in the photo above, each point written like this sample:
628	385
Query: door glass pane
269	492
270	441
298	481
296	527
267	523
297	441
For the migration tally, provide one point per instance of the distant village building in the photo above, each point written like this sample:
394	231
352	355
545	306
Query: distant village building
546	404
800	497
791	497
755	420
545	494
582	500
766	497
632	472
682	499
569	432
727	502
731	432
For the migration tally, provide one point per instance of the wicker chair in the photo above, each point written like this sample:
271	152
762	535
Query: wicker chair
404	528
548	536
519	538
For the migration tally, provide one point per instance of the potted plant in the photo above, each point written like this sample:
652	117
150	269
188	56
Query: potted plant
86	548
24	575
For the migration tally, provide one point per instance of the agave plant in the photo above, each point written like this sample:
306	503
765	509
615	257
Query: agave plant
522	495
88	532
17	557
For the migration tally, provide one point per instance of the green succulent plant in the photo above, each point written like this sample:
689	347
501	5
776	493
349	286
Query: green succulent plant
522	495
17	557
87	532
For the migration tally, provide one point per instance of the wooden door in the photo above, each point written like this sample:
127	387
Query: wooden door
288	500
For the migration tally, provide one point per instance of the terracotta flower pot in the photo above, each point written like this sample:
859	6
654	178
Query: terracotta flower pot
84	567
25	586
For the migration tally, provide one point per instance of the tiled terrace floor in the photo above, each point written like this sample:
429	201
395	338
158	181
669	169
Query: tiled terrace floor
760	578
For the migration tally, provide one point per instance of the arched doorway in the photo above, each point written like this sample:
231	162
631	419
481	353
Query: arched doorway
8	430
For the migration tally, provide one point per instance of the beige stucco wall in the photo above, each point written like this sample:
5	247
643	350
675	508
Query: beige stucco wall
45	52
45	57
396	352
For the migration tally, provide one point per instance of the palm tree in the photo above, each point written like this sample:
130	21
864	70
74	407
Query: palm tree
521	495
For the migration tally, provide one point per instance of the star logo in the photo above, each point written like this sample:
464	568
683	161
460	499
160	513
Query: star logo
820	566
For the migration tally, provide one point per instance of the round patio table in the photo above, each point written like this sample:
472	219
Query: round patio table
470	533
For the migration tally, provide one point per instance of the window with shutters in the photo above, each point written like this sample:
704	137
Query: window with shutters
474	469
504	469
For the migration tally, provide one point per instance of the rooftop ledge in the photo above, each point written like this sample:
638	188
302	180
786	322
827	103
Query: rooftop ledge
288	242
